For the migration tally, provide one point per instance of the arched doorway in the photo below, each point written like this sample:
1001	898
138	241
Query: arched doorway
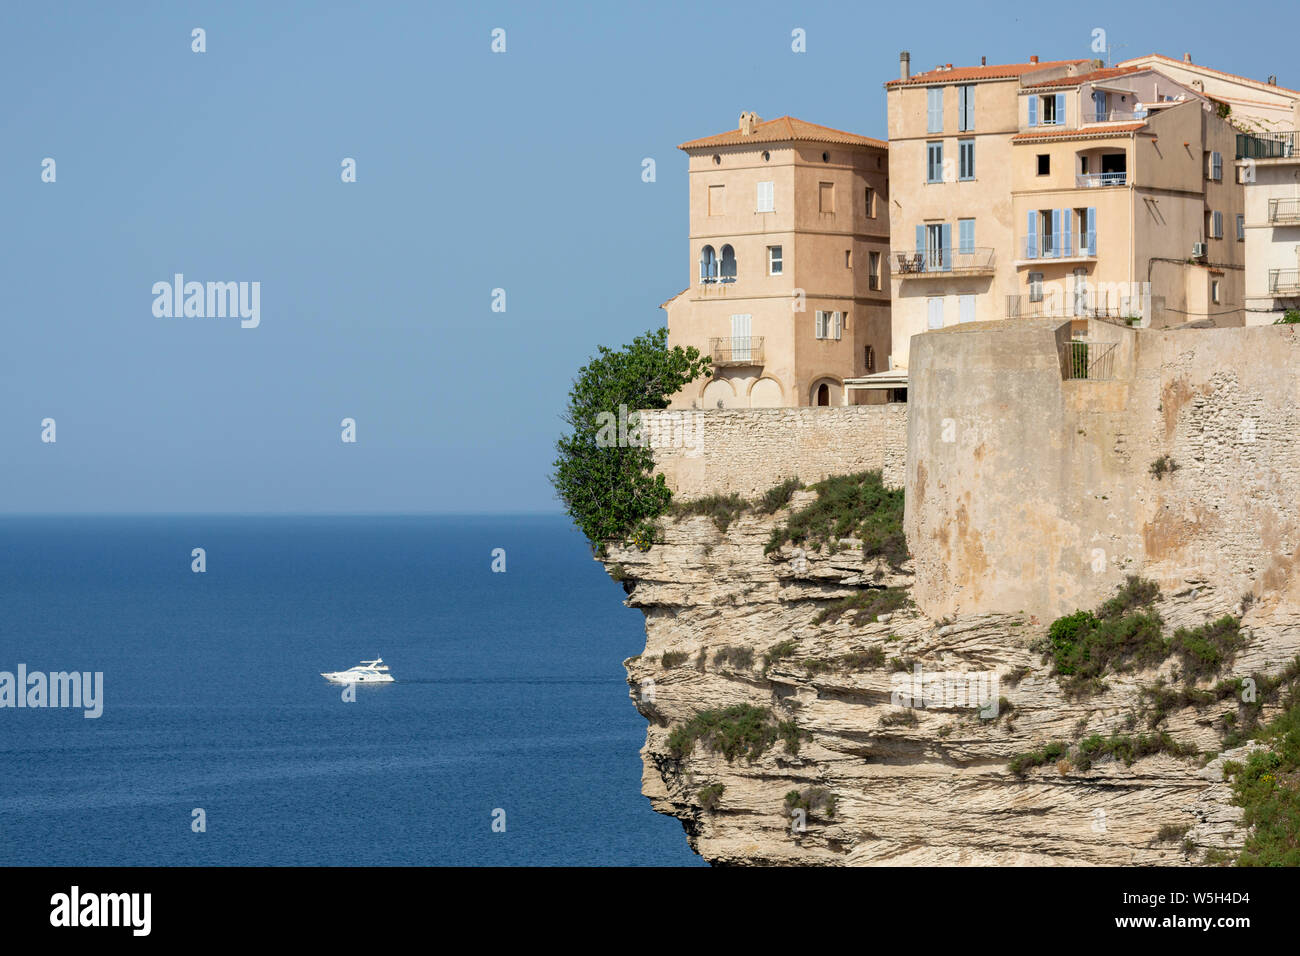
823	394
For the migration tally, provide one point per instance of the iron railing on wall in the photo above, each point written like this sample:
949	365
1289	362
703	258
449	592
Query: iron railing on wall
737	350
1085	359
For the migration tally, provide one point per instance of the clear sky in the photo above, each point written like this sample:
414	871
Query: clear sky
475	171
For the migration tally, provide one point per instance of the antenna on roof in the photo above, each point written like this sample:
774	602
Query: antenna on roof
1110	53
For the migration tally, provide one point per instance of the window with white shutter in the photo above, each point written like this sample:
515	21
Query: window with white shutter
766	197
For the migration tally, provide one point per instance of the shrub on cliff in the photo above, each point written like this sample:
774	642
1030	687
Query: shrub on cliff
1267	788
849	506
604	470
739	730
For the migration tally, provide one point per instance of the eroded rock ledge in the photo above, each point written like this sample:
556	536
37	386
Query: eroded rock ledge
924	786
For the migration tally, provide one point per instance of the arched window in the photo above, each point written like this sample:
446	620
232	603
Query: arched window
708	265
728	264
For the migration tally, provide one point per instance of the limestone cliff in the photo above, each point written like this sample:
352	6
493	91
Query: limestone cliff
924	785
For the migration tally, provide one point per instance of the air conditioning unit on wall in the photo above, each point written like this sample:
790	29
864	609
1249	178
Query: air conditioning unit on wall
1198	250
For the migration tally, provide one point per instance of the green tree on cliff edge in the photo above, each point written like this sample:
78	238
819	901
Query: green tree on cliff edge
607	488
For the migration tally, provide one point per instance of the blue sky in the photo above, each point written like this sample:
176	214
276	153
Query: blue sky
475	171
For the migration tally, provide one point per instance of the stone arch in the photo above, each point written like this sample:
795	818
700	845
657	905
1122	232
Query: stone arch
766	393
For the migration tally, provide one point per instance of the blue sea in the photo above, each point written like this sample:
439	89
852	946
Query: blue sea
509	695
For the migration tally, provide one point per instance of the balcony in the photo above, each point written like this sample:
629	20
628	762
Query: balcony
1092	180
1284	212
1284	282
1113	116
737	350
938	263
1092	305
1281	145
1061	246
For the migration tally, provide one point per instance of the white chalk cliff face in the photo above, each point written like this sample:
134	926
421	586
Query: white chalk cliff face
911	786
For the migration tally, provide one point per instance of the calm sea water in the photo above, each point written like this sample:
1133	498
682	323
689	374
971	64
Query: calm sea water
510	694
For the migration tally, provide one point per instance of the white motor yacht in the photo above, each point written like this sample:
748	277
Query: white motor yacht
367	672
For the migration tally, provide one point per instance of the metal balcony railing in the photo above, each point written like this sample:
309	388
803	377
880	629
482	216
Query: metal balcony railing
972	260
1284	212
1083	359
737	350
1284	281
1089	180
1059	245
1280	145
1114	116
1093	304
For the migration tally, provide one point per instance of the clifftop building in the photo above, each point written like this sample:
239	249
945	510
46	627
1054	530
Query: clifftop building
1063	189
789	283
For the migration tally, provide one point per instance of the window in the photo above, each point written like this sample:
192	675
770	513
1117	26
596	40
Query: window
1214	291
1215	225
934	162
1100	106
829	325
966	235
826	198
966	108
873	270
1044	164
774	261
1053	111
741	343
848	258
966	308
965	159
727	268
934	109
1216	166
766	197
936	244
934	312
715	200
871	203
708	265
1241	227
869	358
1035	287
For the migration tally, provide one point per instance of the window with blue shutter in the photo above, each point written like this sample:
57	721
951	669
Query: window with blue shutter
1031	236
966	308
1053	248
1241	226
966	107
1067	232
966	159
934	109
1091	230
1216	166
1100	108
920	240
934	163
966	236
1060	109
1033	111
945	246
1218	225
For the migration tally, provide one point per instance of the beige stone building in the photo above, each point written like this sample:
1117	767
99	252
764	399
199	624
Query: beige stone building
1060	189
1268	165
789	275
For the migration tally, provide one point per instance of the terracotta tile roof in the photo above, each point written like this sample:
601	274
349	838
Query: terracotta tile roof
1088	132
785	129
1004	71
1197	66
1090	77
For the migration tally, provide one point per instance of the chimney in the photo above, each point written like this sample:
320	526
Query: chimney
748	120
1187	58
1034	58
1272	80
904	65
984	61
